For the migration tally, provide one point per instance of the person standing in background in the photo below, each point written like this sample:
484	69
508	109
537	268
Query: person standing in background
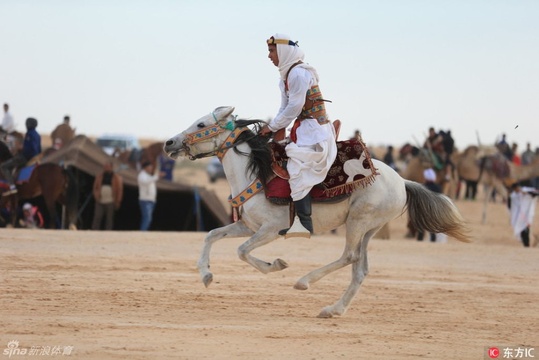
522	206
8	124
527	158
108	194
166	167
388	158
147	194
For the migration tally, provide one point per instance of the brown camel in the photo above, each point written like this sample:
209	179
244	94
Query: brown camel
422	159
486	166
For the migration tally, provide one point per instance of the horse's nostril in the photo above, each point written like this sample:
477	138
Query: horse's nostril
169	142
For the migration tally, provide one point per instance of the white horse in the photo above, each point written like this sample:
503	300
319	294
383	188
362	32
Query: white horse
363	213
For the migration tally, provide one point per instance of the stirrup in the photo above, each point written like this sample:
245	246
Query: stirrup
9	192
297	230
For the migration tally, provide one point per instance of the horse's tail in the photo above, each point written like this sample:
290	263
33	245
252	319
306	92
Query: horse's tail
434	212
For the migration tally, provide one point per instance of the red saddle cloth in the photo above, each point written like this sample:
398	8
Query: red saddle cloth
352	168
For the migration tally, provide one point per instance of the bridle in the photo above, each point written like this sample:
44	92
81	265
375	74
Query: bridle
210	133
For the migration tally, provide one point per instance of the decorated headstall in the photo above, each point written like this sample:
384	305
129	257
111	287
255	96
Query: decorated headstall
210	133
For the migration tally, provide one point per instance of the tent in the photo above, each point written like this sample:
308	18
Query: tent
179	207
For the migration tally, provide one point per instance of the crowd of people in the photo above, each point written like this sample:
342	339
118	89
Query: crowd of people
107	188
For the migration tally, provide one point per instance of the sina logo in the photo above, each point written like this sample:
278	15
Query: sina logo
13	349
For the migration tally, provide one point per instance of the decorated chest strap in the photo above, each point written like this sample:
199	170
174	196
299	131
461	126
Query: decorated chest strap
253	189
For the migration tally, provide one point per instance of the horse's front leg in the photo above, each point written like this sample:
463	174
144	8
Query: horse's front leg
262	237
237	229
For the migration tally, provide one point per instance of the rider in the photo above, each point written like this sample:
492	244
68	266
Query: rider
63	133
7	128
8	124
312	148
31	148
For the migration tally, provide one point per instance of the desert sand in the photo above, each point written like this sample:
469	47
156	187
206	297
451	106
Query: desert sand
133	295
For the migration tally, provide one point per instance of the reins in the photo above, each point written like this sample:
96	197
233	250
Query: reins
209	133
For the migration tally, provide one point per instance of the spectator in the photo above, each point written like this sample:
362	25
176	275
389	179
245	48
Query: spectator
528	156
31	147
31	217
448	144
515	158
388	158
434	143
8	124
64	132
108	194
356	136
166	167
504	148
147	194
522	205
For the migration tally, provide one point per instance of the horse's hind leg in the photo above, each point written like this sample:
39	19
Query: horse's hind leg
360	269
237	229
350	255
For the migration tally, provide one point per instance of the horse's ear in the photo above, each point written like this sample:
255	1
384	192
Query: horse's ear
222	112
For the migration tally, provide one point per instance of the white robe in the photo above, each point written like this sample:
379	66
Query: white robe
522	210
8	124
315	151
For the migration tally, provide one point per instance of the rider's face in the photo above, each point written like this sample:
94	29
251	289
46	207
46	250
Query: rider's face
272	54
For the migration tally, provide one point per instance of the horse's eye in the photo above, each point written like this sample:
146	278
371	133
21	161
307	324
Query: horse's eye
200	125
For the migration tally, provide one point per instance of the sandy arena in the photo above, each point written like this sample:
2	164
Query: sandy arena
132	295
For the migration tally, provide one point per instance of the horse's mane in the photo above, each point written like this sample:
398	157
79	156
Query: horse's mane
260	157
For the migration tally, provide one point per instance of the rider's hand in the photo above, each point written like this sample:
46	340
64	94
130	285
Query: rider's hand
265	130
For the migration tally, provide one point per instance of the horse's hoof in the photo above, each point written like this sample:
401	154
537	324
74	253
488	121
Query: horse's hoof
325	314
207	279
280	264
72	227
301	286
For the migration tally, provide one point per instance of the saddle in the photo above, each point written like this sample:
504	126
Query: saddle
23	174
498	164
352	168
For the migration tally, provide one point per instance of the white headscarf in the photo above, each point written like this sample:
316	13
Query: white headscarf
289	55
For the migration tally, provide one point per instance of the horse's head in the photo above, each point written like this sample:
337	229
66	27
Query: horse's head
201	139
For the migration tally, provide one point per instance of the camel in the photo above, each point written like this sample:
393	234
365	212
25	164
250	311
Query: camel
487	166
420	159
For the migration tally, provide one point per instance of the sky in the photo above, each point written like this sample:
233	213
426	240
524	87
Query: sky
392	68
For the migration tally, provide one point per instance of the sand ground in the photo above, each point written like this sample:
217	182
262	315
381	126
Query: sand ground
133	295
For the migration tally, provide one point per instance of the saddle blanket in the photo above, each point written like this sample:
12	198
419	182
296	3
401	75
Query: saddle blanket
352	168
25	173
